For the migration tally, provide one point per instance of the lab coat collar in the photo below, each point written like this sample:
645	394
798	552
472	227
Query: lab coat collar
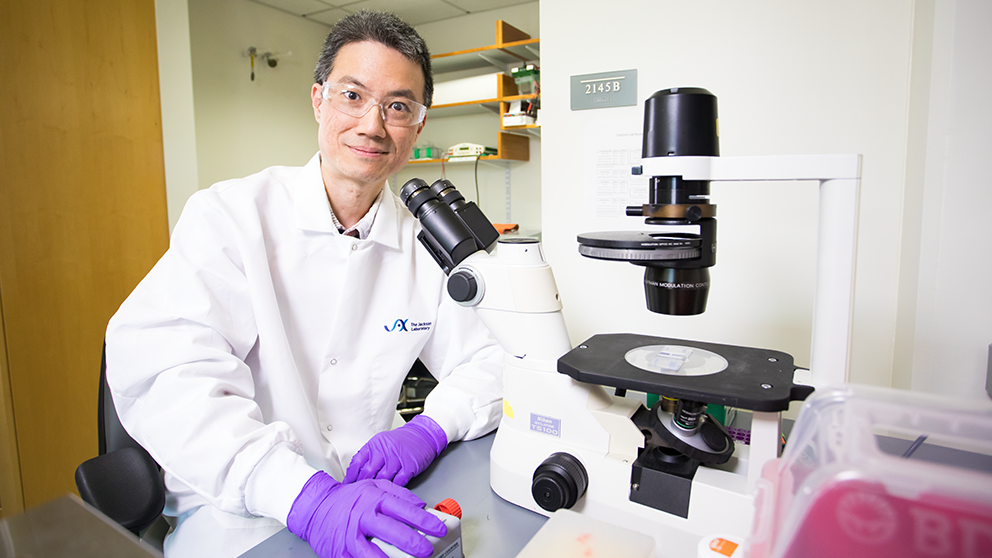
385	228
313	211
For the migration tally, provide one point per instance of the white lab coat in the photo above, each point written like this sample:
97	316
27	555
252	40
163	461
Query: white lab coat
264	346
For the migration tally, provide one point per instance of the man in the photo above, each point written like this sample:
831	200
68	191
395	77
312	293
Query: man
260	360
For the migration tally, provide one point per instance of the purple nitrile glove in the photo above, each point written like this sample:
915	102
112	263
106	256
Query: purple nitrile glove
338	519
399	455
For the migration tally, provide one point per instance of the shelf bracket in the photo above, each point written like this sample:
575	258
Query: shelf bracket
499	65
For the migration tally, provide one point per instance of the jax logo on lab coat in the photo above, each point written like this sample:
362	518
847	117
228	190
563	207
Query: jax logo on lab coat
407	325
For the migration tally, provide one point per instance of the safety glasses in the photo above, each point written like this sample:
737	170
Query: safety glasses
355	101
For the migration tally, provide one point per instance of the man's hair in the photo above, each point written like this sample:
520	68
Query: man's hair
379	27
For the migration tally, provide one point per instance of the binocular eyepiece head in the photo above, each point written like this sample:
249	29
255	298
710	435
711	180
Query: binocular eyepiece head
452	228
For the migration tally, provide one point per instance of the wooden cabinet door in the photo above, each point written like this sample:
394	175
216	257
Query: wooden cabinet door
82	219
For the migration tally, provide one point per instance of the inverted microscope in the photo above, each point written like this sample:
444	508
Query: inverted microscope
568	441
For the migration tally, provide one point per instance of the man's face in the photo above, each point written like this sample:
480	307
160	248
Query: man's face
364	150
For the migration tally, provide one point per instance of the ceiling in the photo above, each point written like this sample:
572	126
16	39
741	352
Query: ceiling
414	12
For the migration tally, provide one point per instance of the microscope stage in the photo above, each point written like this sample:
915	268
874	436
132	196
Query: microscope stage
754	379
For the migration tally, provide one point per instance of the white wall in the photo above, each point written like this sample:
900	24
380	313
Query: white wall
176	84
243	126
952	321
791	78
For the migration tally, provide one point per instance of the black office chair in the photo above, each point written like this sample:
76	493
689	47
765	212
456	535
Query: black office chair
123	481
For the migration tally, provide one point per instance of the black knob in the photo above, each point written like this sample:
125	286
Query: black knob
559	482
462	286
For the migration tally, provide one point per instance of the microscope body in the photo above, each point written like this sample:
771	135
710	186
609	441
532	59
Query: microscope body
566	441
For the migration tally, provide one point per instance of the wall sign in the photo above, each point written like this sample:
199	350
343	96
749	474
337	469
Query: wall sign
609	89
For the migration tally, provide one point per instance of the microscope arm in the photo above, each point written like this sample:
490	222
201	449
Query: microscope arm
839	178
514	293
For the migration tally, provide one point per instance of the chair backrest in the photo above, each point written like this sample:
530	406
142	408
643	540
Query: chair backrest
123	481
111	432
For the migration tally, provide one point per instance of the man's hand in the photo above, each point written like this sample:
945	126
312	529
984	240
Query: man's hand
399	455
338	519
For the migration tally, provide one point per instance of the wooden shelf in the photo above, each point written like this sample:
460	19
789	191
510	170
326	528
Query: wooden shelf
512	46
523	128
509	147
519	97
456	160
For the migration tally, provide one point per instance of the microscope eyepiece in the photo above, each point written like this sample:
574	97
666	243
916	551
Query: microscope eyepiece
447	192
453	229
415	194
444	235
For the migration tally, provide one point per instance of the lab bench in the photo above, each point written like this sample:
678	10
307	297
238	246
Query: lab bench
491	526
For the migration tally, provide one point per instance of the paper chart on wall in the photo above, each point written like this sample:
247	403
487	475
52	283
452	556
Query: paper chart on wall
612	147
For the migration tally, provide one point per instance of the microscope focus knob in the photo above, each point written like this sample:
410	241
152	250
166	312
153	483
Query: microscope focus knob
559	482
463	286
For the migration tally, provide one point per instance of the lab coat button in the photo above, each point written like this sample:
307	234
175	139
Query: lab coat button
334	361
354	247
329	428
